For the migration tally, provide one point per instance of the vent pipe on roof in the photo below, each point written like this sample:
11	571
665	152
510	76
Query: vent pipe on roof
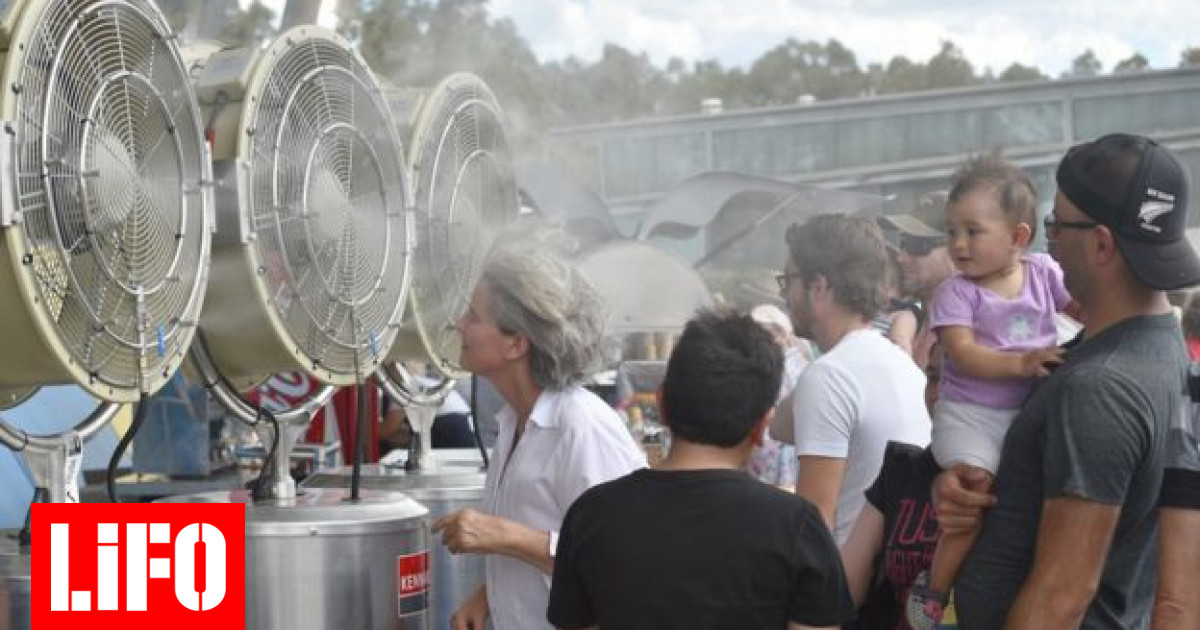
298	13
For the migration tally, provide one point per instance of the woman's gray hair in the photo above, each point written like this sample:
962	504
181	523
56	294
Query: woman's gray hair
539	294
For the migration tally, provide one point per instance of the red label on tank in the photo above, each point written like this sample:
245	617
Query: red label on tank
412	573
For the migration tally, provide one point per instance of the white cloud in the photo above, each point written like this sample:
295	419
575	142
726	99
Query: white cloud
991	34
1031	32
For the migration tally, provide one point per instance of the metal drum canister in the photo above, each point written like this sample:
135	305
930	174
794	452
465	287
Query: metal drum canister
321	562
14	585
454	482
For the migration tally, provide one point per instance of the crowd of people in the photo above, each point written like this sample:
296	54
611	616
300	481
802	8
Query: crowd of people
942	457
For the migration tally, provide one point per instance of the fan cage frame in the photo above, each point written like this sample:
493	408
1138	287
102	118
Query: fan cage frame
45	355
237	245
432	130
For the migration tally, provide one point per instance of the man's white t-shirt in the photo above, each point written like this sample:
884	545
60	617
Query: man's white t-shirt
850	403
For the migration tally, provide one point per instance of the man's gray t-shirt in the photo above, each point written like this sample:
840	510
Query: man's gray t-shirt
1094	430
1181	480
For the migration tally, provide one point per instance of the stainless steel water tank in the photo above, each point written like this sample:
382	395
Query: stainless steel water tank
14	586
321	562
454	482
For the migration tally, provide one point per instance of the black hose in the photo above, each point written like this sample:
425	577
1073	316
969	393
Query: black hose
360	444
259	490
475	421
139	417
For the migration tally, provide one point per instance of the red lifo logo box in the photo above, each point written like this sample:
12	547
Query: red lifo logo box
149	565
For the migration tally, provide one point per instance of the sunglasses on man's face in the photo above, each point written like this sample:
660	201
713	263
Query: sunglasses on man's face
1054	227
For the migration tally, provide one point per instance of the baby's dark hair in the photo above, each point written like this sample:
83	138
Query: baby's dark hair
1013	189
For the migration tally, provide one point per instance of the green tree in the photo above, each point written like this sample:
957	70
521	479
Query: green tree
1189	58
390	37
249	27
795	69
1085	65
686	88
902	75
1017	73
949	68
1135	63
416	43
622	85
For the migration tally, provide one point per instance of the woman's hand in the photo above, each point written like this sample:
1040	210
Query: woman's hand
473	613
470	531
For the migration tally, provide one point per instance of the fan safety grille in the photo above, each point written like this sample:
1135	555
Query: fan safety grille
465	190
328	205
110	176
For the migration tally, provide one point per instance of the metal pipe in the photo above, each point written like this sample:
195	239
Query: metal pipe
403	389
19	440
299	13
233	401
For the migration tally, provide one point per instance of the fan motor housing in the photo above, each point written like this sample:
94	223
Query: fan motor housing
105	198
311	257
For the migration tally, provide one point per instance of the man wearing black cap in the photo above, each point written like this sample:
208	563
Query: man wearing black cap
919	240
1070	540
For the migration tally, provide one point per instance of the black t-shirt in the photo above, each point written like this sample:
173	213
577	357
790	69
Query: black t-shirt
1095	430
711	549
910	533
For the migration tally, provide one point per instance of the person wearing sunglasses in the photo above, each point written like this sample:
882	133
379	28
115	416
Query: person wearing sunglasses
1069	539
919	243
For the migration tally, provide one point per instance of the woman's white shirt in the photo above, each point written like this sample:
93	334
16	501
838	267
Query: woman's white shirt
573	441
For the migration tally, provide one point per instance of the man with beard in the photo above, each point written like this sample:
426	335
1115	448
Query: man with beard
920	244
863	391
1070	541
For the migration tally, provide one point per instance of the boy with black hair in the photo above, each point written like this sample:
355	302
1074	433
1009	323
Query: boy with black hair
697	542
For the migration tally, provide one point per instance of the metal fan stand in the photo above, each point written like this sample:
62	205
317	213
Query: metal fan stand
421	404
54	460
286	428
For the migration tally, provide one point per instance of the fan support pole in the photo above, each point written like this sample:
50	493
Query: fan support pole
54	460
56	467
291	422
277	479
420	449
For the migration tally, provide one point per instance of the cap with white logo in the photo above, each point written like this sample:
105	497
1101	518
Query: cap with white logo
1139	190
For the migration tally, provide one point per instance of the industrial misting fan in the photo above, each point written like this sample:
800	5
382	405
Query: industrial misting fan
465	192
311	265
311	256
105	219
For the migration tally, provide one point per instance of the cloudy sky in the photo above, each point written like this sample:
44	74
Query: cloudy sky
991	33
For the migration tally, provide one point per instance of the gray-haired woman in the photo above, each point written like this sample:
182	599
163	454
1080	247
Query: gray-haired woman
534	329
